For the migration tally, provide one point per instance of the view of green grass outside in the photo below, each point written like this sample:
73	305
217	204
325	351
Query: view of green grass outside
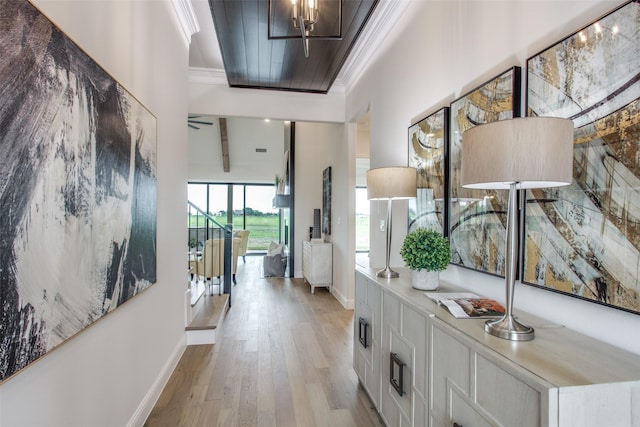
263	227
263	230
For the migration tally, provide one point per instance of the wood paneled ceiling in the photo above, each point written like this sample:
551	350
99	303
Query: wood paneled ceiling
252	60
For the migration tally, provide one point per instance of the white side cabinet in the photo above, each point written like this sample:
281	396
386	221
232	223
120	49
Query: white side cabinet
317	264
423	367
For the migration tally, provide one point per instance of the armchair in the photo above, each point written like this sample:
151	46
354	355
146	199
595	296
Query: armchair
244	241
211	263
275	262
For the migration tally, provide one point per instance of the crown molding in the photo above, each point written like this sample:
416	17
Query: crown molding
381	24
338	87
208	76
186	17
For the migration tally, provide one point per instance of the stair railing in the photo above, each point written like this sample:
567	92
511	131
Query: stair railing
201	227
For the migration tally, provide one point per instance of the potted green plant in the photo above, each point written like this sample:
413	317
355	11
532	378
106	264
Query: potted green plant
426	253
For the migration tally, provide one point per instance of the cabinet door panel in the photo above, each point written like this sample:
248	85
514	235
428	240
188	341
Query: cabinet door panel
450	362
404	351
367	360
367	314
414	329
374	302
391	312
463	413
419	411
396	409
508	400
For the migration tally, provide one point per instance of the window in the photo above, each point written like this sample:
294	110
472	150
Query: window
362	220
251	208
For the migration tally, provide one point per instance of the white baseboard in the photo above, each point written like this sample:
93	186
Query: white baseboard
348	304
148	402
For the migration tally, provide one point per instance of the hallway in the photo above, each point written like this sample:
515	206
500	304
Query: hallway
283	358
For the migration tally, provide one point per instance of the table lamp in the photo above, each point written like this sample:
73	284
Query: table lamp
516	154
390	183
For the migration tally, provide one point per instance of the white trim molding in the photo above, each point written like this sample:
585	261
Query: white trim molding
380	26
207	76
186	17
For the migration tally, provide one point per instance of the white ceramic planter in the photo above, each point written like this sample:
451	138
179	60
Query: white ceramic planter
425	280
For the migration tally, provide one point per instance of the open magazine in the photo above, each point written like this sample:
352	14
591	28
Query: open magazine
465	305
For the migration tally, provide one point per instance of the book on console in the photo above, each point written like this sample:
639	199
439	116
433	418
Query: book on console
465	305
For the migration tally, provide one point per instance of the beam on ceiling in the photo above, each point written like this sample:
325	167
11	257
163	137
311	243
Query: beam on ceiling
224	140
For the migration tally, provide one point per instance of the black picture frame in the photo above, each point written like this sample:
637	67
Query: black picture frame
477	218
428	153
584	240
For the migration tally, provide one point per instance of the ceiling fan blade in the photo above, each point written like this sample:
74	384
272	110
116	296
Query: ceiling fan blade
199	122
192	126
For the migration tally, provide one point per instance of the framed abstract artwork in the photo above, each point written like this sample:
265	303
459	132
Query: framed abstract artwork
78	193
326	201
428	140
477	218
584	240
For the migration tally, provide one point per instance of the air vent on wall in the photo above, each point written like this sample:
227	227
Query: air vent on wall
261	150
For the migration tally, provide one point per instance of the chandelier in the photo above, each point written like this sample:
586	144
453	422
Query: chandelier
304	14
308	22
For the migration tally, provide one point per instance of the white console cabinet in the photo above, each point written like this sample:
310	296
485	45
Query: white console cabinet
317	264
453	373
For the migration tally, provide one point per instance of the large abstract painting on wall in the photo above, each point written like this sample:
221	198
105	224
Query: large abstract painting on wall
77	189
326	201
477	218
427	153
584	240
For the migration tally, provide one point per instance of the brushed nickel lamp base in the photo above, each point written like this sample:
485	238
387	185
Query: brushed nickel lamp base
517	154
509	328
389	183
387	273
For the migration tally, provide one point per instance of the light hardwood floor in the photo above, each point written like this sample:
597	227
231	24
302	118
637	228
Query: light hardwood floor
283	358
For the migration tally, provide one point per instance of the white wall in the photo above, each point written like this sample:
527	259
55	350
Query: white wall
446	49
106	375
318	146
244	135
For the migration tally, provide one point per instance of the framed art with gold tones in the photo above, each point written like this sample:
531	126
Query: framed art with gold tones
584	240
477	218
428	154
